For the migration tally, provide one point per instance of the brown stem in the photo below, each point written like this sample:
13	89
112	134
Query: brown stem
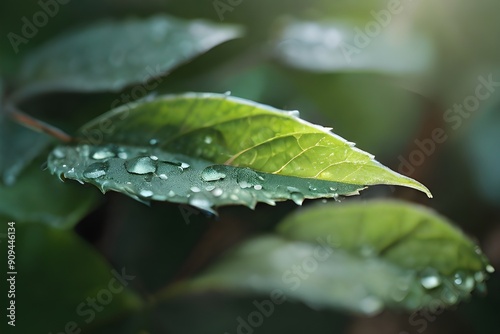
37	124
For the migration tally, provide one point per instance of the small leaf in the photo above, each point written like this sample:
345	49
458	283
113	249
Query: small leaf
226	130
356	257
109	56
344	45
150	173
38	197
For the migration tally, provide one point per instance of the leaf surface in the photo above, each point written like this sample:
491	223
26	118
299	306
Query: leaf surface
355	257
109	56
232	131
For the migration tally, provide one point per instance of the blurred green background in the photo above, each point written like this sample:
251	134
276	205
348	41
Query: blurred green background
397	93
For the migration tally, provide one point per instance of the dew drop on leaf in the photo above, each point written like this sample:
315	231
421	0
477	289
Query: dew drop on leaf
298	198
146	193
211	174
96	170
217	192
430	279
371	305
140	165
163	176
103	153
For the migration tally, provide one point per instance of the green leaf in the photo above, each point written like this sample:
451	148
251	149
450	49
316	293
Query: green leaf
19	146
69	277
360	257
348	45
149	173
237	132
109	56
37	197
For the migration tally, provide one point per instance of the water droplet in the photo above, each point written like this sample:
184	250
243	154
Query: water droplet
227	93
171	193
459	278
293	113
122	155
201	202
103	153
449	296
146	193
430	279
234	197
96	170
163	176
211	174
209	188
153	142
244	184
293	189
490	269
257	187
195	189
312	188
333	189
140	165
208	140
184	165
298	198
479	276
217	192
58	153
153	157
371	305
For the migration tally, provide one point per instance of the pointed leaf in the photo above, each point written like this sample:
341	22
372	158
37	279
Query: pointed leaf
109	56
357	257
237	132
152	174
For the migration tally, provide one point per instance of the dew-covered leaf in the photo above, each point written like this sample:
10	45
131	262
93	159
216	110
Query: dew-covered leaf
38	197
347	46
150	173
109	56
226	130
357	257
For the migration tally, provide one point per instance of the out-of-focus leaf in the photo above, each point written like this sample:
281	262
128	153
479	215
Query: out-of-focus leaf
84	290
357	257
149	173
484	153
351	46
38	197
19	146
237	132
109	56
